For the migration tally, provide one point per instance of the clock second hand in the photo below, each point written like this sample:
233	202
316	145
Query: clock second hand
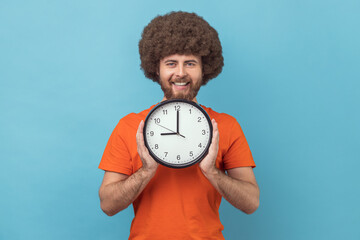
175	133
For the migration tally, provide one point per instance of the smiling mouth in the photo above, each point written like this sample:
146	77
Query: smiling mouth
180	83
180	86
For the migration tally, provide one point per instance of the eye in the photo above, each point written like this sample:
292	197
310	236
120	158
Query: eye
190	64
170	64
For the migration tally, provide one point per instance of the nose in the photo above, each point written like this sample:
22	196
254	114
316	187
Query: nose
181	71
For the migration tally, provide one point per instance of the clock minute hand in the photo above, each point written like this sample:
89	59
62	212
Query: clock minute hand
177	124
177	121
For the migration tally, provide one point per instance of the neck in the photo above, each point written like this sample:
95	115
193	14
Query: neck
164	99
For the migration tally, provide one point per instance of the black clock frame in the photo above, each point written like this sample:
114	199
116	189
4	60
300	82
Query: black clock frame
196	160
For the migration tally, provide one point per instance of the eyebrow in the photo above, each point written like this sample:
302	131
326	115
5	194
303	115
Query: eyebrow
187	61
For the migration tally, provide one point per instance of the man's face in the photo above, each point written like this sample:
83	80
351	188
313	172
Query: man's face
180	76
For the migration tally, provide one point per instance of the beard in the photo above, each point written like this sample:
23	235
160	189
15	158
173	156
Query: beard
189	95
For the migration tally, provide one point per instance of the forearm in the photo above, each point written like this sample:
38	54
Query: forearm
117	196
241	194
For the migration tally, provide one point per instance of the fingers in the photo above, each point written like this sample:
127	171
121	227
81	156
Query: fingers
141	127
140	138
215	138
209	162
139	132
215	131
147	161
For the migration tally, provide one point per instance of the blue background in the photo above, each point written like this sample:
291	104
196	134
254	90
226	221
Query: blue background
69	70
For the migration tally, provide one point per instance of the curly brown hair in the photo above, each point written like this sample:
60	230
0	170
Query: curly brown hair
180	33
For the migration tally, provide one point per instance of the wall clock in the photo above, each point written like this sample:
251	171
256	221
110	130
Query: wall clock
177	133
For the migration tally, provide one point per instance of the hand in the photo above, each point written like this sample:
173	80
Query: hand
207	165
149	165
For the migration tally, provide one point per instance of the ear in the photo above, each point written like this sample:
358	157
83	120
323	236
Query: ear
158	70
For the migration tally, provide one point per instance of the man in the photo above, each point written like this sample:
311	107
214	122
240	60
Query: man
181	52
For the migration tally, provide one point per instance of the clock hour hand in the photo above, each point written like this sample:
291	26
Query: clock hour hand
173	133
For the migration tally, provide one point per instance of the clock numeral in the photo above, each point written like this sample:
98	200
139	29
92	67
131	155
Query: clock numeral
177	108
151	133
165	112
178	157
199	119
191	153
156	146
190	111
157	120
203	132
199	145
166	153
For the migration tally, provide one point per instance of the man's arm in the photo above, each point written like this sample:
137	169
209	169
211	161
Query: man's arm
118	191
239	187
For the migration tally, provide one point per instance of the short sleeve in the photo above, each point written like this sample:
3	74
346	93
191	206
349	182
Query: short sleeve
238	154
116	157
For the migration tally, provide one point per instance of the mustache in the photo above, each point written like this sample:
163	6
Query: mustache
181	80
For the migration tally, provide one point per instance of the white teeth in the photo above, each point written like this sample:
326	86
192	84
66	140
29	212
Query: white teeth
180	84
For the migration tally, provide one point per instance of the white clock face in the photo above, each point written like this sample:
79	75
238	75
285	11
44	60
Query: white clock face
177	133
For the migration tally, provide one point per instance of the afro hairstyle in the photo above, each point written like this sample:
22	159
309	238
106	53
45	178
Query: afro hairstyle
180	33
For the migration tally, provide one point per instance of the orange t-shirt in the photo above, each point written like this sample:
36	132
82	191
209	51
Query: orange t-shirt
176	203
